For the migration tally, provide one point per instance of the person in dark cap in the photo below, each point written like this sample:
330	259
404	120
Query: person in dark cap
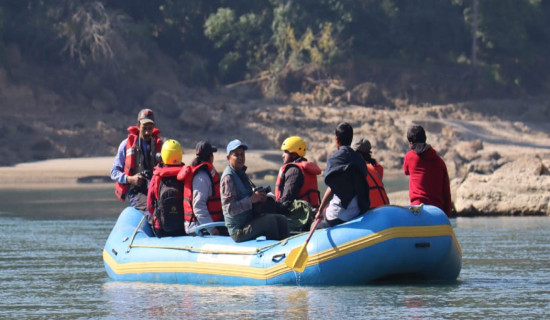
239	198
375	172
135	160
201	192
429	179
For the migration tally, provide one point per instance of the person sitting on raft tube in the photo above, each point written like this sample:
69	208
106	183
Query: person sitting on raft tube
201	192
429	181
165	196
296	190
375	171
297	178
347	193
238	198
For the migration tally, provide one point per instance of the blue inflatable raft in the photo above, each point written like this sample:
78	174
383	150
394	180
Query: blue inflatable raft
386	243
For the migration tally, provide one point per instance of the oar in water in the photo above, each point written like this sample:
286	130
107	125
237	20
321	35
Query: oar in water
297	258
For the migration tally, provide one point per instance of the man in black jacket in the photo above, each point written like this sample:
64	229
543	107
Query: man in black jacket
347	193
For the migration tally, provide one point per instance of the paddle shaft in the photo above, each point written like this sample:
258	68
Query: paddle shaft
313	229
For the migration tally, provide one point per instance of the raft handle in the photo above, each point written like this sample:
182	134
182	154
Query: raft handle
199	229
422	245
278	257
114	251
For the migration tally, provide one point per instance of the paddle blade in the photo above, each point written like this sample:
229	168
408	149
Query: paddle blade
297	258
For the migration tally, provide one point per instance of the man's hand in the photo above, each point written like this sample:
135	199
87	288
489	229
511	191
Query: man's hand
320	214
215	231
136	180
258	196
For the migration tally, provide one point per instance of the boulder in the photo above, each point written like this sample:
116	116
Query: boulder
367	94
519	187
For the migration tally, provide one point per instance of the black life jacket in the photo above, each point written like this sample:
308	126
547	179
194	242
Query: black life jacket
169	209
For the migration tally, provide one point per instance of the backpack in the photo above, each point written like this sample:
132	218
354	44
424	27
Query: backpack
301	216
169	210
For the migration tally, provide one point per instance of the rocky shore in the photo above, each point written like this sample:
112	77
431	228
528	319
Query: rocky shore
497	151
492	185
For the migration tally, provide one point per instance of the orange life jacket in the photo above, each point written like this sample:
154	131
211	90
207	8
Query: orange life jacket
213	202
121	189
309	190
377	193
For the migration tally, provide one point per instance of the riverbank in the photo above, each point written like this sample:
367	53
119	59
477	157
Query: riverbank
87	173
498	165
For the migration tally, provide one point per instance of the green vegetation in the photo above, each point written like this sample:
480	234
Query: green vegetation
219	42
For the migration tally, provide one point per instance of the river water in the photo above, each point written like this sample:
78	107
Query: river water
51	268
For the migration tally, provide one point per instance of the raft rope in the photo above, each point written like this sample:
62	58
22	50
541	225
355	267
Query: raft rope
416	210
198	250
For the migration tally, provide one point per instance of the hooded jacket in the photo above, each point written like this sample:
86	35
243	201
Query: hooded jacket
429	179
345	175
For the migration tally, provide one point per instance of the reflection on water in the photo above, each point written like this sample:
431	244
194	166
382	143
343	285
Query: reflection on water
51	267
192	302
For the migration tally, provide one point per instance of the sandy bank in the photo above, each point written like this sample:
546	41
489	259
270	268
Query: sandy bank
63	173
66	173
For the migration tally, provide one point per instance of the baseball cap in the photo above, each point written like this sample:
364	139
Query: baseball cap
234	144
146	115
205	148
362	145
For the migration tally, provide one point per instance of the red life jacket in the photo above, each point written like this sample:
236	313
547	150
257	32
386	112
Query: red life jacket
213	202
121	189
377	193
154	189
309	191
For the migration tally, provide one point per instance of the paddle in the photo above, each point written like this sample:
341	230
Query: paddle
297	258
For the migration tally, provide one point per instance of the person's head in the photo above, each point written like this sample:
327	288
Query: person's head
416	134
204	152
363	147
146	124
236	153
171	153
293	148
344	134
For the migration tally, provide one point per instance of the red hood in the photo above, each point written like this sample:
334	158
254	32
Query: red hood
312	168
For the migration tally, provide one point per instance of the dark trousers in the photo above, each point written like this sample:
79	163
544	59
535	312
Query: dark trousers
272	226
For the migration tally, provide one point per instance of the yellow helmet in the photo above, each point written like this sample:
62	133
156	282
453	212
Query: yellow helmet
294	144
171	152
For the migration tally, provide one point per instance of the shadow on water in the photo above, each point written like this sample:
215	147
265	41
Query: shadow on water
76	203
96	201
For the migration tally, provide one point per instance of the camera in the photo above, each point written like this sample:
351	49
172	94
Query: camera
147	174
265	190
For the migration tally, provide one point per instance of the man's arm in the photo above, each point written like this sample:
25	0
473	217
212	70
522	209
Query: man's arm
324	203
406	165
202	189
228	193
117	171
446	190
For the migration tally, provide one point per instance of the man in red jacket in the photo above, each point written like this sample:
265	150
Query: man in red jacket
429	180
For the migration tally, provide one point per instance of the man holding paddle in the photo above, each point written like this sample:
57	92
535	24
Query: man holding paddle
347	193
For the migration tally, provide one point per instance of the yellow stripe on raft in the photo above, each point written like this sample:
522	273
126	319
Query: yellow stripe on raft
281	268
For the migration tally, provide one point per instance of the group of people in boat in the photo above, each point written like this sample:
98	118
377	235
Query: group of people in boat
177	198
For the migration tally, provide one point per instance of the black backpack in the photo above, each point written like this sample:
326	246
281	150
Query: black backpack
169	209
